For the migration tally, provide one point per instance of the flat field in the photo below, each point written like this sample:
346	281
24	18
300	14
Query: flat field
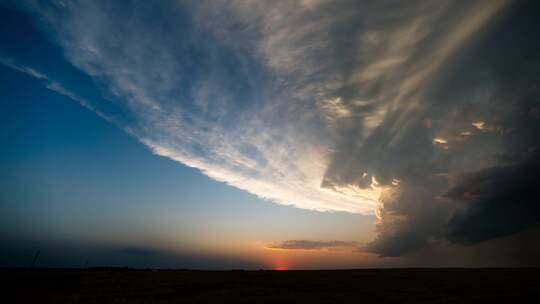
325	286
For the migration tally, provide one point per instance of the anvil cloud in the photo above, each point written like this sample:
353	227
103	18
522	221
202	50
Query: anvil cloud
371	107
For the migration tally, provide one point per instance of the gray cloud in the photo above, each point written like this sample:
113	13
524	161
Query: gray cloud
476	184
499	201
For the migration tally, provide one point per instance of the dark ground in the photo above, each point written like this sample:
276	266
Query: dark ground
334	286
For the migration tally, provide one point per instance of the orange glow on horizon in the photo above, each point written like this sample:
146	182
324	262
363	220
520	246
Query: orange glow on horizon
280	263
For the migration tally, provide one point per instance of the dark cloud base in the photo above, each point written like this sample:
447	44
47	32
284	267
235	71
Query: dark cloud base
494	192
500	201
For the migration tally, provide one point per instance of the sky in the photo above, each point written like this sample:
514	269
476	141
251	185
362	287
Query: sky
305	134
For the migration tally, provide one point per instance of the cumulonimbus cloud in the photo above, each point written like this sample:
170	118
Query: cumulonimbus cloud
354	106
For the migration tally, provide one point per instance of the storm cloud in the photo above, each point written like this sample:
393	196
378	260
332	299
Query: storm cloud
499	201
469	162
425	114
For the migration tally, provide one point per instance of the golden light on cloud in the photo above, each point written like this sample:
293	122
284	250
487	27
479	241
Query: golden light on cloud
334	108
440	141
313	245
479	124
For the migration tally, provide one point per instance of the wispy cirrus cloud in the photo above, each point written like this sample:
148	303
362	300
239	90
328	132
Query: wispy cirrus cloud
53	85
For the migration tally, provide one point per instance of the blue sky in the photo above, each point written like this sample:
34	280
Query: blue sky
70	176
297	134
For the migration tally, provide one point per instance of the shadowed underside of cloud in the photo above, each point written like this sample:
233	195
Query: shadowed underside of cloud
478	178
500	201
412	111
312	245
